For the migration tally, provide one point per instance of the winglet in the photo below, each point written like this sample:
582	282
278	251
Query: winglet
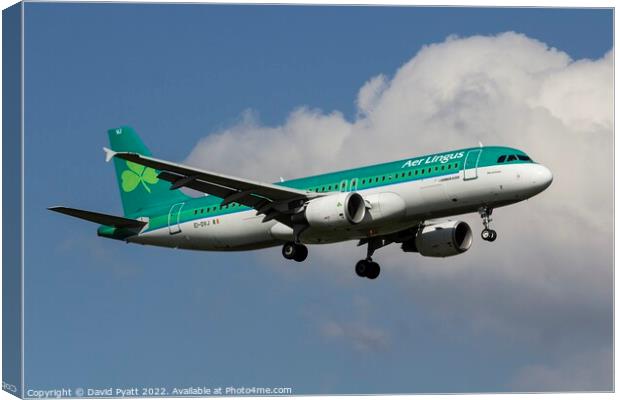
109	154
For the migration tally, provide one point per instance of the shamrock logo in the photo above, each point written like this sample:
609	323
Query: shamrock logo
136	174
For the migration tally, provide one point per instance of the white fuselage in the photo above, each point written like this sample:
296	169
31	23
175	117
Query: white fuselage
390	208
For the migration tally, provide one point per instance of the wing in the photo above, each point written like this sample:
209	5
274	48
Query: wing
274	201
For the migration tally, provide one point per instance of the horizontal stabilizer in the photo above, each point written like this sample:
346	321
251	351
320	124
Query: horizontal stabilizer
103	219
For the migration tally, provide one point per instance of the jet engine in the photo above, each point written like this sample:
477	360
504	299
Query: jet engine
336	210
441	240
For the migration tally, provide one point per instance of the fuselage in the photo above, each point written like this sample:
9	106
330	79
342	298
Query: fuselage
398	195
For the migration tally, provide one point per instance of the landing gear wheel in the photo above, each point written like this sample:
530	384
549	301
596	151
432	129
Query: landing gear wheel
486	234
489	235
294	251
361	268
288	250
367	269
374	271
301	253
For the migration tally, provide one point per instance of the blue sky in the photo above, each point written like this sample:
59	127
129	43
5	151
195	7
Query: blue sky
101	313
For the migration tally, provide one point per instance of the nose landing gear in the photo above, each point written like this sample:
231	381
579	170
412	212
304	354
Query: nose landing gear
487	233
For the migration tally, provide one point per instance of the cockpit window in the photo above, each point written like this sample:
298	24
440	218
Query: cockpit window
512	157
501	159
524	158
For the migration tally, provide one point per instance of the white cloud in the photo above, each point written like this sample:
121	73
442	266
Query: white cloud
370	93
546	282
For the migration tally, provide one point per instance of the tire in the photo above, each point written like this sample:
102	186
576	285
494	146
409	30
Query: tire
374	271
289	250
361	268
301	253
493	236
485	234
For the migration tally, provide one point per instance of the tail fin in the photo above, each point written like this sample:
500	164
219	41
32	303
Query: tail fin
139	186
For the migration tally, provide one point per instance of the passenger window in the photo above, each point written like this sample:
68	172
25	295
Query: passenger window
512	157
416	172
443	167
383	178
409	174
429	170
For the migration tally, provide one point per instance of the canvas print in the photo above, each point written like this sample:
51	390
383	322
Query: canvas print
225	200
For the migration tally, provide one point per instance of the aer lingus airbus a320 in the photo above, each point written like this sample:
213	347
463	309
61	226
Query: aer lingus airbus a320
395	202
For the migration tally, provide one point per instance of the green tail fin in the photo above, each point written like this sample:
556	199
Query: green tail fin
139	186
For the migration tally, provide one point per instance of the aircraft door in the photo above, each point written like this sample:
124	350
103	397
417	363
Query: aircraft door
174	218
470	166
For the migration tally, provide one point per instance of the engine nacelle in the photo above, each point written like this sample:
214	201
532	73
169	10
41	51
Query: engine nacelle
441	240
336	210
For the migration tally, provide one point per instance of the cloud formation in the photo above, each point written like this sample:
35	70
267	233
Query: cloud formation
546	284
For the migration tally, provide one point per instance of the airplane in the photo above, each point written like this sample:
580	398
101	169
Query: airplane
400	202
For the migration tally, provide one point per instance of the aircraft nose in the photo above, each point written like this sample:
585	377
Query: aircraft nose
542	177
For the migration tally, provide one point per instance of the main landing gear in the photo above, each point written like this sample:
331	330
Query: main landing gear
487	233
294	251
367	268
